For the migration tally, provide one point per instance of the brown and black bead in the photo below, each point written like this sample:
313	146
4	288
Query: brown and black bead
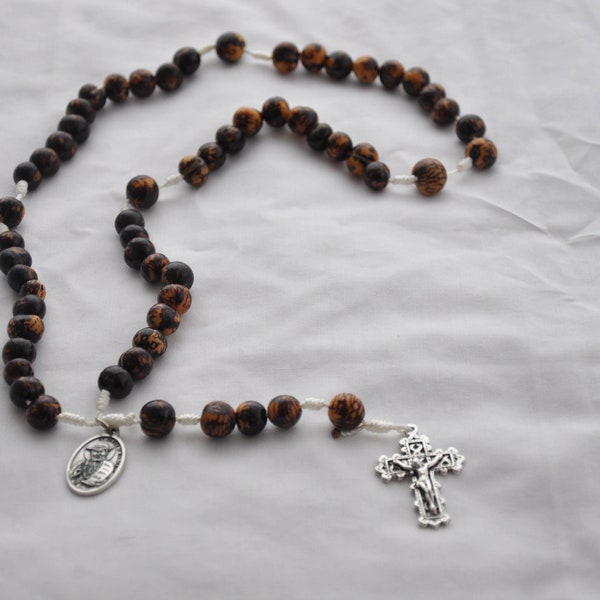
115	380
391	74
63	144
430	95
81	107
365	69
136	251
251	418
362	154
152	267
188	60
75	126
230	47
164	318
248	120
169	77
43	412
12	211
28	171
137	362
313	57
483	153
151	340
129	216
276	111
303	120
19	348
46	160
30	327
317	137
376	175
194	170
142	83
339	146
213	155
132	231
30	304
11	239
217	419
176	296
431	176
14	256
16	368
94	95
338	65
284	411
346	412
178	272
26	390
469	127
157	418
19	275
445	111
285	57
142	191
230	138
415	80
116	88
32	286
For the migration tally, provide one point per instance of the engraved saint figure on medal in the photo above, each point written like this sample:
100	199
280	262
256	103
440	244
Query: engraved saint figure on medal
95	465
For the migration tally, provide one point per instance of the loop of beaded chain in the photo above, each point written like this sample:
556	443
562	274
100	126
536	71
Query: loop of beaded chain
157	418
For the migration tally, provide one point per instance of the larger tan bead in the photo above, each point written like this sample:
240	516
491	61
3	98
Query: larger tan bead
431	176
366	69
230	47
247	120
218	419
285	57
346	411
483	152
313	57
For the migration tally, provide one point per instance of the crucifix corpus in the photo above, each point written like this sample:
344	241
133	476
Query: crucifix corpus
417	459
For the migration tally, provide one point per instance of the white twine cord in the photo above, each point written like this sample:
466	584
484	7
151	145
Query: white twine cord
403	179
21	189
206	49
259	55
171	180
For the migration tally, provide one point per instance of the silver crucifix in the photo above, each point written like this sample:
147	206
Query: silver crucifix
417	459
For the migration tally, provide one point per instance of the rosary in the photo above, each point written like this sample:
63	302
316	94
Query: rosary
99	461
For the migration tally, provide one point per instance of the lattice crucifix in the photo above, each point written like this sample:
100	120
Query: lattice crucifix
417	459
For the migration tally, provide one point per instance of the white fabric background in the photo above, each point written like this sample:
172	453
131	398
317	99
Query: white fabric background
475	315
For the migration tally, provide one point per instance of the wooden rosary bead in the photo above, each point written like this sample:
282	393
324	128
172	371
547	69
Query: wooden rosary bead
142	191
137	362
302	120
12	211
169	77
43	413
285	57
14	256
115	380
469	127
75	126
230	47
151	340
157	418
218	419
445	111
483	152
376	175
130	232
248	120
317	137
188	60
431	176
129	216
362	154
430	95
116	88
178	272
313	57
94	95
19	348
30	327
27	171
366	69
26	390
164	318
276	111
284	411
30	305
46	160
176	296
415	80
63	144
251	418
213	155
230	138
81	107
346	412
339	146
16	368
391	74
32	286
338	65
152	267
19	275
194	170
142	83
136	251
10	239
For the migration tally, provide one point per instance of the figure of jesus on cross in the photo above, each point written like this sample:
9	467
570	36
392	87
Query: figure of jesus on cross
417	459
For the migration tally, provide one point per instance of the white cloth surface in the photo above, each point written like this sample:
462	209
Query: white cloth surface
474	314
